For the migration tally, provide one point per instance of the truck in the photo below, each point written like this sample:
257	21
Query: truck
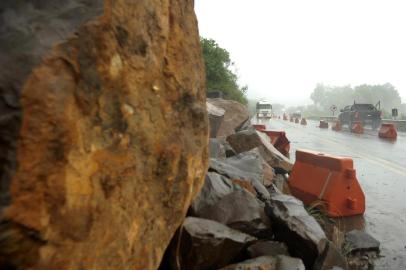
264	109
367	114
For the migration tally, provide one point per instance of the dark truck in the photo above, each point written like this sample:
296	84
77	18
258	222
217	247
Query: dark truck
368	114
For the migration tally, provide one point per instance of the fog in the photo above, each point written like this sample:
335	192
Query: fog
282	49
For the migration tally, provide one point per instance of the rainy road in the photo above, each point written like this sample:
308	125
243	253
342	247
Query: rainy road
381	171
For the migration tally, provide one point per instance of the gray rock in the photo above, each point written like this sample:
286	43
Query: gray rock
330	258
259	263
289	263
361	241
244	126
229	150
239	210
244	166
216	116
267	248
248	139
216	149
280	181
292	225
214	188
219	148
206	244
235	114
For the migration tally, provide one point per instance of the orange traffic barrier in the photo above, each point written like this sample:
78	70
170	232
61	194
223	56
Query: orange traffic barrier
337	126
279	140
327	181
296	120
259	127
357	127
303	122
388	131
323	124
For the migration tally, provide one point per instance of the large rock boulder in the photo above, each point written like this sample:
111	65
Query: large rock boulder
293	225
248	139
235	115
244	166
242	211
103	143
206	244
215	187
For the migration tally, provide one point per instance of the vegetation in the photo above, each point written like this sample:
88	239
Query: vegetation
219	76
324	96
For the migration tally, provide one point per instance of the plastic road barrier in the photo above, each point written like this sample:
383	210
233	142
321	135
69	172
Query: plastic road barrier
327	181
388	131
323	124
357	127
259	127
337	126
279	140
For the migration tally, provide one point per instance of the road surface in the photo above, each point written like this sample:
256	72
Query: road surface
381	171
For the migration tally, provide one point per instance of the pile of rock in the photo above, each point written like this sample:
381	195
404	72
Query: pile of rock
240	219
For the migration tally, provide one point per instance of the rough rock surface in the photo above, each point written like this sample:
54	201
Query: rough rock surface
216	116
216	149
267	248
235	115
248	139
329	258
292	225
358	240
242	211
206	244
280	262
259	263
220	148
103	144
244	166
215	187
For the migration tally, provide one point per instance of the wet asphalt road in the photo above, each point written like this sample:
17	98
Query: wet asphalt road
381	171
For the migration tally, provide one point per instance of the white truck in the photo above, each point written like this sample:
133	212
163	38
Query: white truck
264	109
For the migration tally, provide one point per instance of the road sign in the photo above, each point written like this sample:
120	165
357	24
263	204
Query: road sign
333	108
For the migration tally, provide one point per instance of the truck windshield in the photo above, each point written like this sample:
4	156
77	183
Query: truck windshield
363	107
264	106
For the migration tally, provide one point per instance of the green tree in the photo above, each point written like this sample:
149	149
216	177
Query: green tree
325	96
219	76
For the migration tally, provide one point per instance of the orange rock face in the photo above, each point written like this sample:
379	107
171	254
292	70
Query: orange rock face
112	145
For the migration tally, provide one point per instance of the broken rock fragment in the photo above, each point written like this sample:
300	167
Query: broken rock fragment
292	225
206	244
244	166
267	248
216	116
248	139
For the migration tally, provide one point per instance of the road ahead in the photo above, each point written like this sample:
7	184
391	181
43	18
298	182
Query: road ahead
381	171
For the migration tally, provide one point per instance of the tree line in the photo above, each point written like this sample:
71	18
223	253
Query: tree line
219	76
324	96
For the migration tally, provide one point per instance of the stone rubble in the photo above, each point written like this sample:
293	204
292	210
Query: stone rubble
239	193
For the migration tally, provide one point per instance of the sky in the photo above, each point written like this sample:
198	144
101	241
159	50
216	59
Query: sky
283	48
